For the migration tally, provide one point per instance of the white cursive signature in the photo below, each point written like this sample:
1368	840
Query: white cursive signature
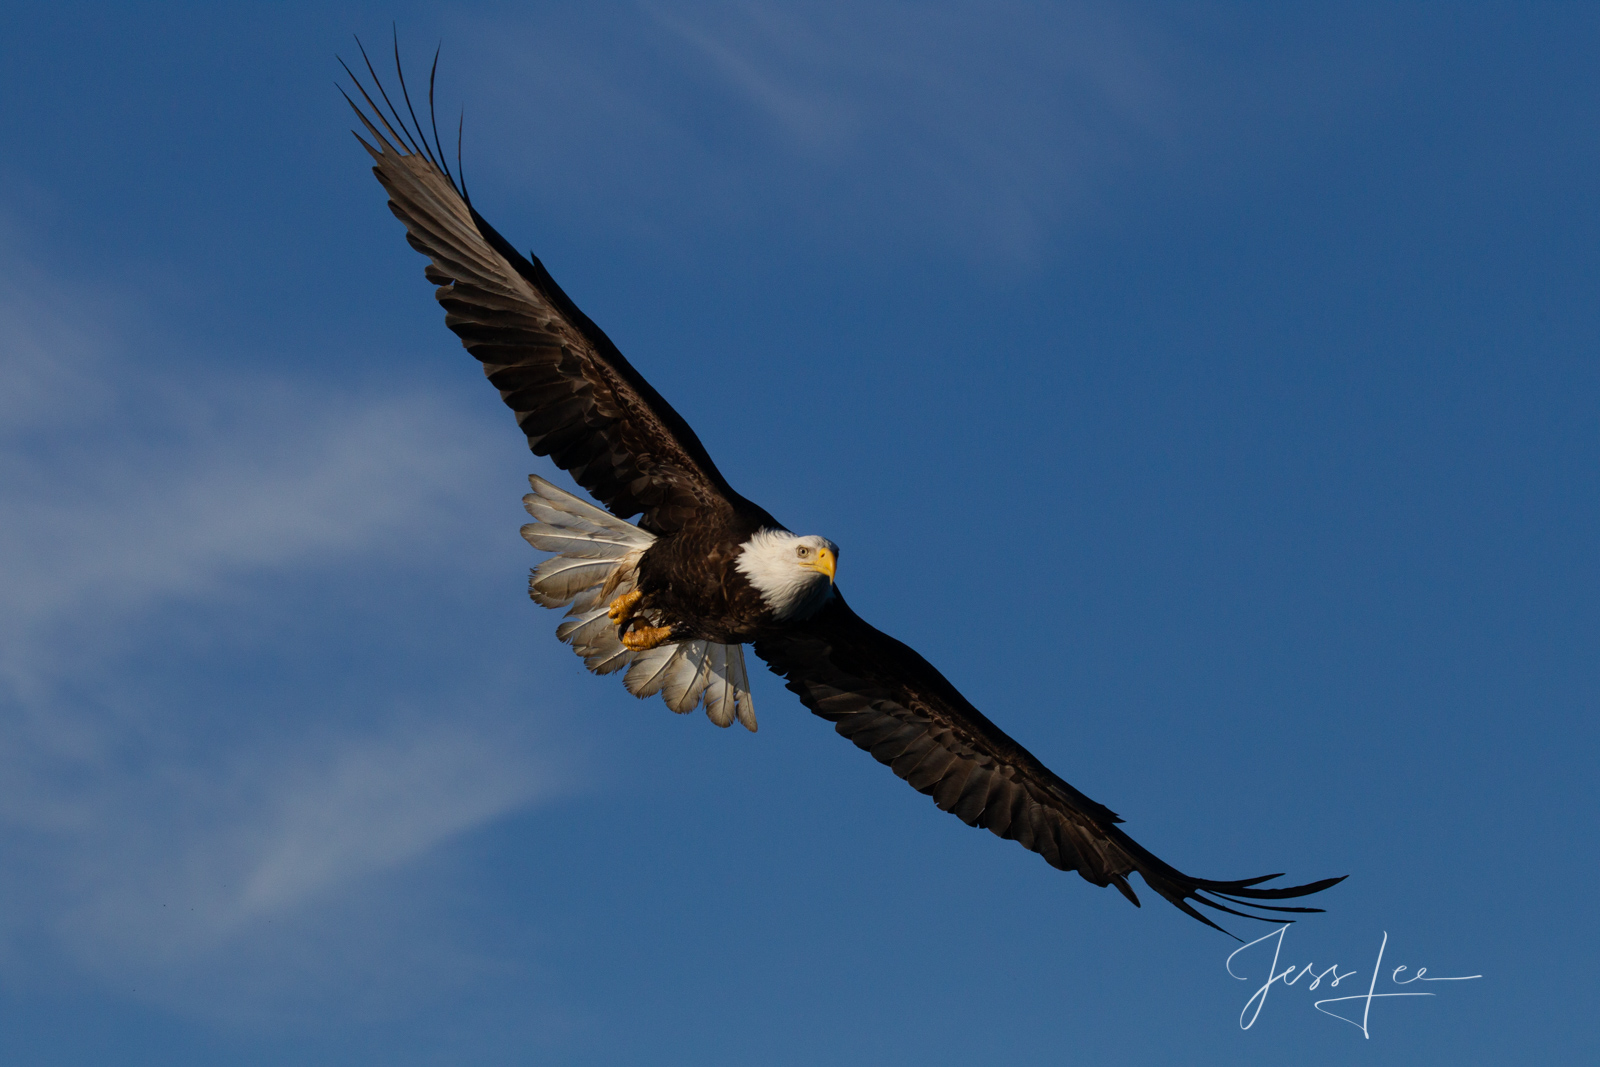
1292	974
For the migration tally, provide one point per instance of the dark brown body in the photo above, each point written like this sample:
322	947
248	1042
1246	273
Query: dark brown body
691	577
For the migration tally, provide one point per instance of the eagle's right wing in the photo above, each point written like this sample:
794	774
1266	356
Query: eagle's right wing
890	701
575	396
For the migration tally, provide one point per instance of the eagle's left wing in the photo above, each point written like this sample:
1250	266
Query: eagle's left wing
575	396
890	701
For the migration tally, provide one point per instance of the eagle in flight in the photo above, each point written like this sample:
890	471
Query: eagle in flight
672	598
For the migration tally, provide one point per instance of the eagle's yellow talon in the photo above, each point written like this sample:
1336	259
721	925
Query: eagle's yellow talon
622	608
646	637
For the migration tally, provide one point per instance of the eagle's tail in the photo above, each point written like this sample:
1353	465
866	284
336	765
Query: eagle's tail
595	558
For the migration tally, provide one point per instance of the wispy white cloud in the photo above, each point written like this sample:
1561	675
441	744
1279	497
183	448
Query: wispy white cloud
135	504
47	363
815	117
988	127
378	805
279	832
151	522
128	484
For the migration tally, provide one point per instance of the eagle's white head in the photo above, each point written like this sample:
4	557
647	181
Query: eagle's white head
794	575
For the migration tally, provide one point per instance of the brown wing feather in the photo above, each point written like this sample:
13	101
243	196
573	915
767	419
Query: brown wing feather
575	396
891	702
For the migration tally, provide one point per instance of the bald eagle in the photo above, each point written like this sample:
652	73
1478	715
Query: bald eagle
673	597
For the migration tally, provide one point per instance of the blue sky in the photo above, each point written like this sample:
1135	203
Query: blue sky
1211	393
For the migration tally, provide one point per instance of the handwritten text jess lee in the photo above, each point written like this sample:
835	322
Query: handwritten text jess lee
1292	974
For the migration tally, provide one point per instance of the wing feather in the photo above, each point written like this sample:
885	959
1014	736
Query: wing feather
891	702
577	399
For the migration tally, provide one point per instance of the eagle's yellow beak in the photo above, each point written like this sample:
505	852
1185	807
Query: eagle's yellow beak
824	563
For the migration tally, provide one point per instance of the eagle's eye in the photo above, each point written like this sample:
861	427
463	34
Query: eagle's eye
804	551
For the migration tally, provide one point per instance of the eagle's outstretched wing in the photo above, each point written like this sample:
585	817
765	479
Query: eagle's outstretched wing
575	396
890	701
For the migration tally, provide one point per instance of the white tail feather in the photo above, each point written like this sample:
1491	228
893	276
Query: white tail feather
649	671
684	682
739	685
595	557
560	579
721	700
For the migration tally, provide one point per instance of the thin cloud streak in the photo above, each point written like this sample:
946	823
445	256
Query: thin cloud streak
149	832
104	515
379	805
288	830
171	522
988	129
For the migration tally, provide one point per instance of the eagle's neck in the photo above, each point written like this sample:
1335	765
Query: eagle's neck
769	563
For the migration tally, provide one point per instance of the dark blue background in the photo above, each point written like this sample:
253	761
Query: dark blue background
1210	393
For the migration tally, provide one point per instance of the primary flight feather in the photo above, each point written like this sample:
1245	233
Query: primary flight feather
673	598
